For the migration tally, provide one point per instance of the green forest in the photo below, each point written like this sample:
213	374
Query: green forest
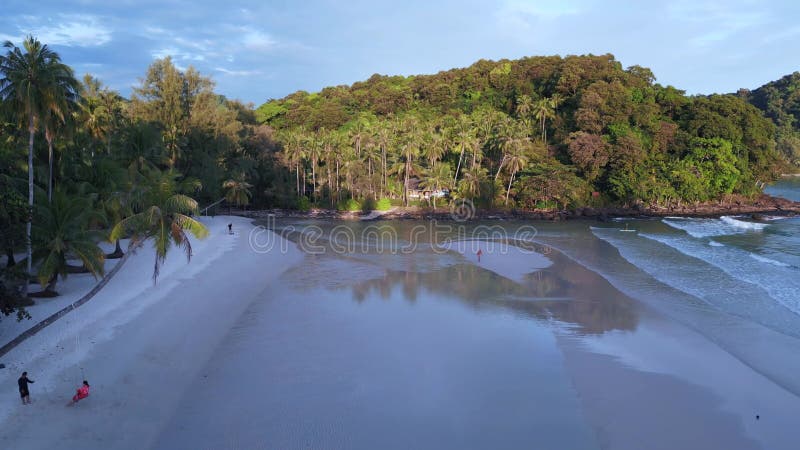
79	163
540	132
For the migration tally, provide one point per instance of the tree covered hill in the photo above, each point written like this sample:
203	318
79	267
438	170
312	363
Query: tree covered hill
532	132
780	101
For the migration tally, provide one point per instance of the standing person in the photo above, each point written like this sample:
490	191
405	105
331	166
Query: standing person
23	388
230	228
81	393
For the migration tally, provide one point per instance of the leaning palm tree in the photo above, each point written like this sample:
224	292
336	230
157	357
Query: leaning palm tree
237	191
33	83
62	233
163	215
515	162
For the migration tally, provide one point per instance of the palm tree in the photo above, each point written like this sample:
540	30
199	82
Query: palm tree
384	139
295	152
62	233
52	122
435	149
555	101
315	153
515	162
524	106
437	178
464	138
237	191
543	110
163	215
471	183
34	83
409	151
372	154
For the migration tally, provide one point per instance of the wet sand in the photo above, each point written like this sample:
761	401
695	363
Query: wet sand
419	350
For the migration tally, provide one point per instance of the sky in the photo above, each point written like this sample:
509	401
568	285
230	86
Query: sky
257	50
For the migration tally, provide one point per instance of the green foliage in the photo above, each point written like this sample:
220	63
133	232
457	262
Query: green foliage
269	111
61	232
384	204
303	204
162	214
350	204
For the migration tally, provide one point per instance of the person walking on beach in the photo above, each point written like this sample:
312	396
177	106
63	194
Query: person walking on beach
230	228
81	393
23	388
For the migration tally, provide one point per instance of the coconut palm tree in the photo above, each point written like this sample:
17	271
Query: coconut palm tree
544	110
524	106
295	152
437	178
470	185
237	191
372	154
53	121
383	138
515	161
315	153
35	82
163	215
62	233
409	151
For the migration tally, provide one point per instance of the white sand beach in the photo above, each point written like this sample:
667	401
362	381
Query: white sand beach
248	349
137	344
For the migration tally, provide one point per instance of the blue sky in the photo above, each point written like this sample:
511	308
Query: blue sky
256	50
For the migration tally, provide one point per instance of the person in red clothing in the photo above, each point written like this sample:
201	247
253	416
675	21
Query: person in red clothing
82	392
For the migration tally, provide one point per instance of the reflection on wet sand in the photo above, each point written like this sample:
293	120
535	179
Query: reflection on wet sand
564	292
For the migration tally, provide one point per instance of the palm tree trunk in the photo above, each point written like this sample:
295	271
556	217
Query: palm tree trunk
117	253
369	175
10	262
508	191
544	132
500	167
383	158
458	167
50	173
314	180
297	177
405	184
31	131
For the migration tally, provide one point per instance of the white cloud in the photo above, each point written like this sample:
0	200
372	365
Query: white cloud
71	30
237	73
177	54
257	40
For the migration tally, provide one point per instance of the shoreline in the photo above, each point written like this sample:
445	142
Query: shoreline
762	205
161	359
129	335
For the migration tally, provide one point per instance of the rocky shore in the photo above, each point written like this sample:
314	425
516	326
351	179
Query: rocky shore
759	207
